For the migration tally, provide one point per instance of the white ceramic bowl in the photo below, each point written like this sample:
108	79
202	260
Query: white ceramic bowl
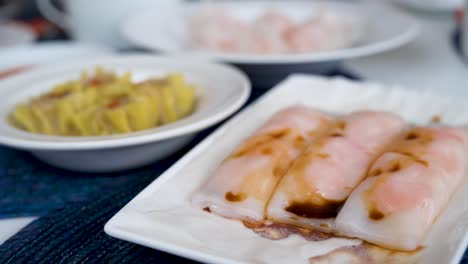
380	28
221	90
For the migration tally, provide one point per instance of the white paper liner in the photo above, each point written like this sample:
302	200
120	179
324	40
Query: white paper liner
162	216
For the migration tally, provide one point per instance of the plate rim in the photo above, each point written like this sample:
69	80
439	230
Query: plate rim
130	139
410	33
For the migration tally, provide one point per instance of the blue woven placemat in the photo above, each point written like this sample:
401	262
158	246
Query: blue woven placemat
30	187
74	234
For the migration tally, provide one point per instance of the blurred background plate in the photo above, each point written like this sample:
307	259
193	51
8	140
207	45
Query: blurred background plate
383	29
12	34
9	8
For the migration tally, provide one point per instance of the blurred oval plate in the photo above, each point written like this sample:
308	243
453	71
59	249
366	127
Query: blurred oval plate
12	34
382	29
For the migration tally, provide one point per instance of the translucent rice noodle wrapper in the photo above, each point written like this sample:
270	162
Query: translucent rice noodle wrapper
242	185
408	187
327	31
273	32
214	29
321	179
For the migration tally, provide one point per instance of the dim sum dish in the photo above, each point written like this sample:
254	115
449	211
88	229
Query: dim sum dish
104	103
392	177
321	179
212	29
270	40
315	181
129	111
264	32
407	188
244	183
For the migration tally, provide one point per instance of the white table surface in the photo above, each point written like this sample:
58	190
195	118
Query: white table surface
427	63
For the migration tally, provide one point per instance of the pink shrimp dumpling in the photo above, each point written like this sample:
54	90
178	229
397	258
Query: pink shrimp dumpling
407	189
242	185
321	179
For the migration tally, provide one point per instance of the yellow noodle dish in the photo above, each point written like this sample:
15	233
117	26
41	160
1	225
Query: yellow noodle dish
104	103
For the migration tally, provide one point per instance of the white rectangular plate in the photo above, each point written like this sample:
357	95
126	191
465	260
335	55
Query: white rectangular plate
162	217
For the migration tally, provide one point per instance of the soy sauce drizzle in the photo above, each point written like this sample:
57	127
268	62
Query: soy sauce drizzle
232	197
328	209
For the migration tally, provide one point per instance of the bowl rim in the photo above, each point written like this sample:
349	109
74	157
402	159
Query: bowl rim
152	135
409	34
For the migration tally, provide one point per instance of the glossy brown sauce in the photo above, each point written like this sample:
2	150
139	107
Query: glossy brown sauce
336	134
328	209
280	134
299	142
304	201
362	253
337	129
232	197
422	162
323	155
411	146
395	167
367	253
300	165
341	124
277	231
375	172
259	143
413	143
280	147
375	214
411	136
279	171
296	166
267	151
416	159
